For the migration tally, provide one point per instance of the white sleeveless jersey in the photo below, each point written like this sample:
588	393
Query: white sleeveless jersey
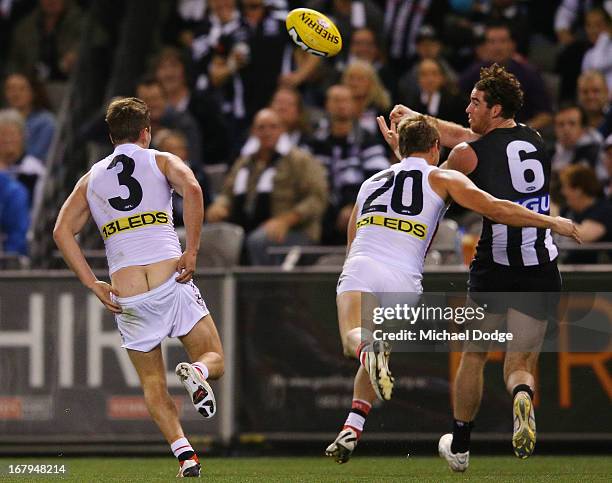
397	216
131	202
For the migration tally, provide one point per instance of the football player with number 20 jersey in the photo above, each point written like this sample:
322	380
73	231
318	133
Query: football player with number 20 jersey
392	224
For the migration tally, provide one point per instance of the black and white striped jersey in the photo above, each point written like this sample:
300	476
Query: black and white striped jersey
513	164
349	161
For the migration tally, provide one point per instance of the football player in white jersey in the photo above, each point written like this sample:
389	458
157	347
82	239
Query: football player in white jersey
151	293
391	227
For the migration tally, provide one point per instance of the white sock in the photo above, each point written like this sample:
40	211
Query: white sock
180	446
202	367
364	336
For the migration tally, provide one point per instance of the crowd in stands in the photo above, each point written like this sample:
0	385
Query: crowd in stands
297	134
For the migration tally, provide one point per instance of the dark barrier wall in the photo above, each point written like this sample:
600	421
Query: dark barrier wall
295	383
63	371
63	376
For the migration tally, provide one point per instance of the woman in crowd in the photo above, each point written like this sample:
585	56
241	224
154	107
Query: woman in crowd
28	95
371	98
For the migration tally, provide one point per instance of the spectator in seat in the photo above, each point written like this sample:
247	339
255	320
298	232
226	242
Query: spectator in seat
501	49
350	155
14	214
436	94
171	72
428	47
588	208
289	106
365	47
28	95
599	56
274	60
182	18
576	142
278	194
222	52
370	98
212	48
163	115
47	40
14	160
11	12
593	96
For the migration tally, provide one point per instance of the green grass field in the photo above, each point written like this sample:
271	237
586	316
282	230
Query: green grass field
310	470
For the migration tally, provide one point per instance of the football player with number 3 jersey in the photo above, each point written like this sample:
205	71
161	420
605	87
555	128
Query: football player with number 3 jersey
129	196
509	161
392	224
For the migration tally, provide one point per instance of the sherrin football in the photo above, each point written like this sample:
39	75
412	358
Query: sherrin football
314	32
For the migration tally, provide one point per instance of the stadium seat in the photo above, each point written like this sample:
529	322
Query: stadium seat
434	257
220	245
216	175
331	260
446	242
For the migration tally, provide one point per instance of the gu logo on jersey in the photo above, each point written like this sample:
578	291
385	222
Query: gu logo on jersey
417	230
539	204
135	221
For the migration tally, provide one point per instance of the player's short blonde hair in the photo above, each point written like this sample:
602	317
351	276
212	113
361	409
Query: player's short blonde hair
416	135
126	118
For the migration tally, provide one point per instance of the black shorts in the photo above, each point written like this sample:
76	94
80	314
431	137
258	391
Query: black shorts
538	288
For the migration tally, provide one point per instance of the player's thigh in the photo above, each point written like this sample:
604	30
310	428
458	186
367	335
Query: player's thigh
527	332
490	322
202	338
150	367
355	309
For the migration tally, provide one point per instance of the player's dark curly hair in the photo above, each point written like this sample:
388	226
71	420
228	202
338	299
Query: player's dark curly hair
416	135
501	87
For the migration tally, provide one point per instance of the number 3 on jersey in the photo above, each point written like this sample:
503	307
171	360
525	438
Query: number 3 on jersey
397	204
520	167
125	179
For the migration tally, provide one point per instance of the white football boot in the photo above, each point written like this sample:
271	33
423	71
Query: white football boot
189	468
343	446
199	390
456	461
377	366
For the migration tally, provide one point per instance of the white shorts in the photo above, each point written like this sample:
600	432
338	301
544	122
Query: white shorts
364	274
170	310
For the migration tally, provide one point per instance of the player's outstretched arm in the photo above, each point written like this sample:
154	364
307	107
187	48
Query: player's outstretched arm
70	221
463	191
451	134
182	179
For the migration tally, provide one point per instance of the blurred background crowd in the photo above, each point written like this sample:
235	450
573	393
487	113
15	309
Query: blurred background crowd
281	140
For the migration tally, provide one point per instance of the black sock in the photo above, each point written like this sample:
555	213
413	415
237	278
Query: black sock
461	436
185	455
522	387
